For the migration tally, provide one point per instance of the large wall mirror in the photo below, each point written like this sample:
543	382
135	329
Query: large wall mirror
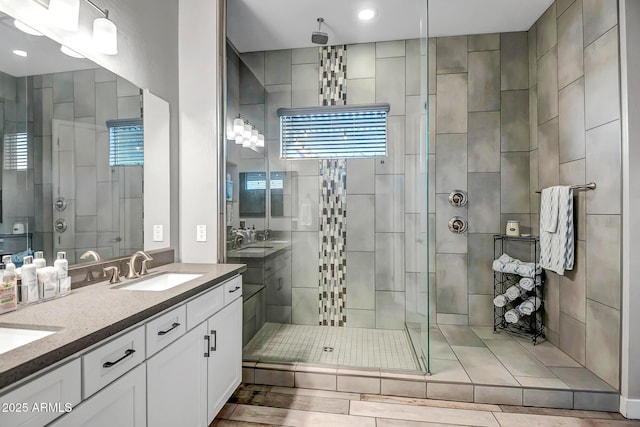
72	153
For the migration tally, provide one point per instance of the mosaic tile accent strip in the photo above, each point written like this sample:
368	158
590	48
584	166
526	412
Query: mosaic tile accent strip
332	269
333	75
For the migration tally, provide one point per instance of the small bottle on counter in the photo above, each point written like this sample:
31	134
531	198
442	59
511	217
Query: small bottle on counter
29	285
8	290
61	265
39	260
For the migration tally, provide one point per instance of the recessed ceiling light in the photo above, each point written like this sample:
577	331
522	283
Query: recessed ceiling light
25	28
70	52
20	52
366	14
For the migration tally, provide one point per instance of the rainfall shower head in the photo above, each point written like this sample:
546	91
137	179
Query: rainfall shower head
318	37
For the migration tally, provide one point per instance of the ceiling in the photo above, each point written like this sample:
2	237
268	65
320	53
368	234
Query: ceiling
44	55
256	25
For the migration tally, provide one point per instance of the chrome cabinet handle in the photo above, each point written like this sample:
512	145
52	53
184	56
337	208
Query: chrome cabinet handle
173	326
215	340
127	353
208	340
232	291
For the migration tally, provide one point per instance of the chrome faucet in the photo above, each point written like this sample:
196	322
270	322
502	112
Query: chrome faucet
91	254
132	264
237	240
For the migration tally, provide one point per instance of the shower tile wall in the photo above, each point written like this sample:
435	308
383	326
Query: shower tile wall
103	199
575	128
479	143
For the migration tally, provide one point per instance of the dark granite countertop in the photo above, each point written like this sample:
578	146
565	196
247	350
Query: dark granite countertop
93	313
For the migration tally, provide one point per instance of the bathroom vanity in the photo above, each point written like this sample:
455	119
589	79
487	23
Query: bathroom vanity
128	357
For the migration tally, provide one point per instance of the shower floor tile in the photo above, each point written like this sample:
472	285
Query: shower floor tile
358	347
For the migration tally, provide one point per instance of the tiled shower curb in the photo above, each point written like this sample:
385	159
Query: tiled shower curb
409	384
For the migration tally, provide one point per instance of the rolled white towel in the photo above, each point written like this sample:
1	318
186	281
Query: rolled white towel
513	292
530	305
528	283
512	316
500	301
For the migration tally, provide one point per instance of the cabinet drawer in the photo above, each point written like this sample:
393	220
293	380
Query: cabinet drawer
204	306
54	389
163	330
108	362
232	289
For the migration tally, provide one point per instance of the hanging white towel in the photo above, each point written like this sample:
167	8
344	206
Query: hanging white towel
500	301
530	305
512	316
557	247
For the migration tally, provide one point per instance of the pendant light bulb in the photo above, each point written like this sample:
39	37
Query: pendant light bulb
260	142
65	13
238	126
247	132
105	36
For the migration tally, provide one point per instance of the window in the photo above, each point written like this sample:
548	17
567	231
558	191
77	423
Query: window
126	142
333	132
15	151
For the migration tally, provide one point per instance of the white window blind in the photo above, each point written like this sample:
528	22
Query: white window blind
126	142
16	151
333	132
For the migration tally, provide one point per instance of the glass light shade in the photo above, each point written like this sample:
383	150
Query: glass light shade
247	132
65	13
70	52
238	126
239	139
254	136
25	28
105	36
260	142
246	143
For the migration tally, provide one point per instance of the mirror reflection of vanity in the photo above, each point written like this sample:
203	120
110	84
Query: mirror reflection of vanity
72	152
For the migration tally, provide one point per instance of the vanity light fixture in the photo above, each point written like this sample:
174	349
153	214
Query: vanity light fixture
105	34
65	13
70	52
366	14
238	126
20	53
25	28
260	142
245	134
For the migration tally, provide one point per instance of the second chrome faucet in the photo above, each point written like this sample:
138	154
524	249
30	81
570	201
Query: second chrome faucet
143	267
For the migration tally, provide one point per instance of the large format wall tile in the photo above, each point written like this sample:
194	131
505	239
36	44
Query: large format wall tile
62	87
484	202
304	259
277	67
570	48
84	94
514	121
394	162
452	289
602	81
451	54
389	210
415	66
599	17
390	49
514	61
278	96
415	242
548	154
307	55
484	80
446	241
571	121
603	146
361	61
546	31
573	287
484	142
304	85
603	259
533	57
572	337
548	86
603	342
481	310
304	306
389	259
390	309
361	91
362	181
451	162
533	117
480	247
390	84
514	179
552	301
484	42
451	115
360	230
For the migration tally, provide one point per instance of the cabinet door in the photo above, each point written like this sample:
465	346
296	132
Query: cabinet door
122	403
177	382
225	364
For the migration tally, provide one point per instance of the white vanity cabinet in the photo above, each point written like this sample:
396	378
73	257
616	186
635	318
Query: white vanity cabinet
225	362
177	382
121	403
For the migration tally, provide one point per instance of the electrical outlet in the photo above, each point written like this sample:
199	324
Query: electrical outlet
157	233
201	233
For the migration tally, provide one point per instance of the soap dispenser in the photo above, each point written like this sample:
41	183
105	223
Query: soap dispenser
61	265
39	260
8	290
29	288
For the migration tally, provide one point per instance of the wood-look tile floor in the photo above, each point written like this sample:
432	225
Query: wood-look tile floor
256	405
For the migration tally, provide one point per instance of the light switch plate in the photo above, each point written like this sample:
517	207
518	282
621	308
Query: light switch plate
201	233
157	233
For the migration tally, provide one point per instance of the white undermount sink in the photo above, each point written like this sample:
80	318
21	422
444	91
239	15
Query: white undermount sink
11	338
161	282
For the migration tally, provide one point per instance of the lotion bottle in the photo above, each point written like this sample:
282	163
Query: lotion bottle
8	290
61	266
30	292
39	260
